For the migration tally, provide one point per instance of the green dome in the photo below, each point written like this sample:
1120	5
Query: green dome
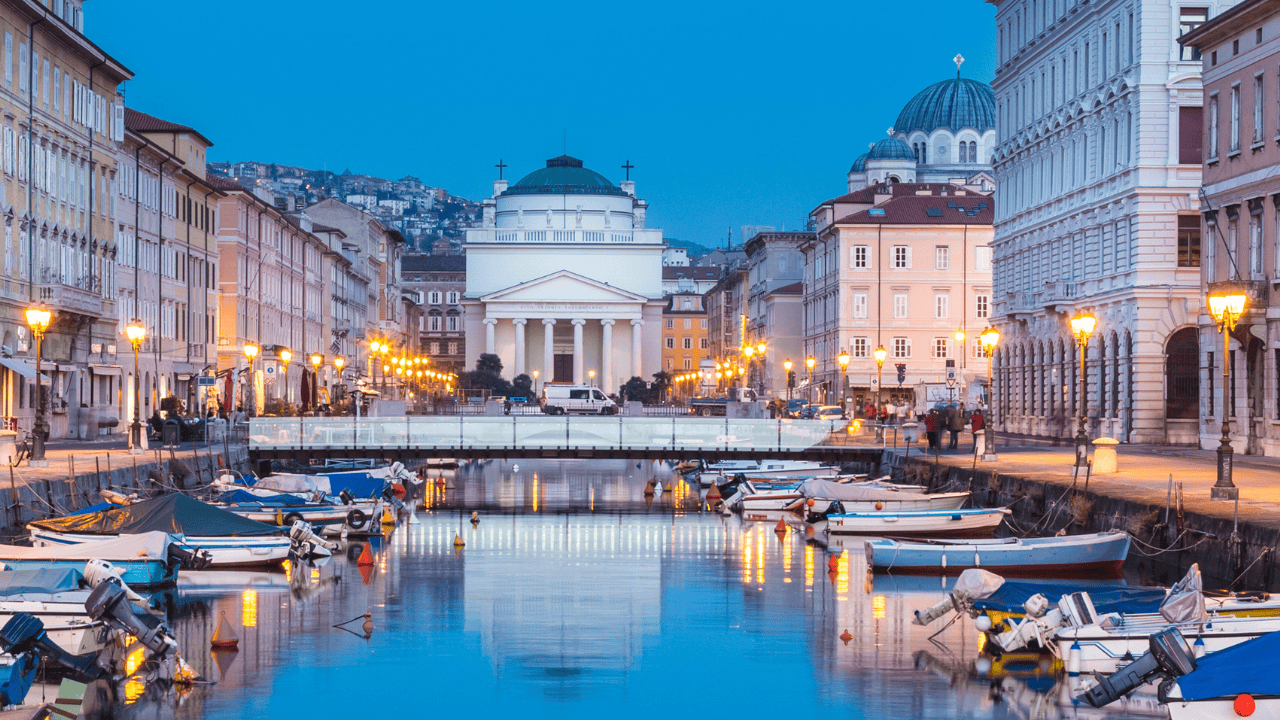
564	175
951	104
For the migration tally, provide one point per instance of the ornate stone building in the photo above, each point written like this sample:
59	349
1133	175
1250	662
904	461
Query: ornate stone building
1098	163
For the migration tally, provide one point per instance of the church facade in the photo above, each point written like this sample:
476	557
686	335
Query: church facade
565	280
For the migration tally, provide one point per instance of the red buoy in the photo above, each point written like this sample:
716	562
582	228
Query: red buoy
845	636
366	556
224	637
781	527
1245	705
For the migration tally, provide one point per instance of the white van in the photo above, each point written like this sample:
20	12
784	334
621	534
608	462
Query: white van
558	399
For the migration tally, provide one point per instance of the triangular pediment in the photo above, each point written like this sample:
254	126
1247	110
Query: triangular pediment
563	286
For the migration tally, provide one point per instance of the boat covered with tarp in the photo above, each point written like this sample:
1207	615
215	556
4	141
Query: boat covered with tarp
229	538
150	559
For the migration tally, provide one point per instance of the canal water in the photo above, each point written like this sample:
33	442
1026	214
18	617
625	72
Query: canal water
577	596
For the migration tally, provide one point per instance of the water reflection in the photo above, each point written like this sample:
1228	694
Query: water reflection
577	594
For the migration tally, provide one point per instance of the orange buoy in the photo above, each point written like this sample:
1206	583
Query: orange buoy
368	623
714	492
781	527
648	489
457	541
1244	705
879	505
224	637
845	636
366	556
387	517
833	562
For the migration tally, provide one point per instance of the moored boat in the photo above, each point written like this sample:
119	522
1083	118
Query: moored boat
926	523
1092	556
145	560
229	539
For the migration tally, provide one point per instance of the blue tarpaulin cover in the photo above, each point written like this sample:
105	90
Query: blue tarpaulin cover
1245	668
1106	599
241	497
42	581
359	484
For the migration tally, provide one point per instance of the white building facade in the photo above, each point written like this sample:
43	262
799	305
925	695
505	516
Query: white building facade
1092	99
565	279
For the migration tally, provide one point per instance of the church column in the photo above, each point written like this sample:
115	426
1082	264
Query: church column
548	350
489	341
606	355
578	373
519	368
636	340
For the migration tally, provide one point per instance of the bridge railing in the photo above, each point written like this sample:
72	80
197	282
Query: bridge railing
457	434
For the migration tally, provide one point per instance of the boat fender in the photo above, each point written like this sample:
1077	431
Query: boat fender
879	505
1073	660
982	622
356	518
292	518
1244	705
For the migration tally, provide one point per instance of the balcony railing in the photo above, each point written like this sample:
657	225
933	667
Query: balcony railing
504	235
67	299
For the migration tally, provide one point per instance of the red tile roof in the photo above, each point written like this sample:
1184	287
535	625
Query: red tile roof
141	122
971	209
222	183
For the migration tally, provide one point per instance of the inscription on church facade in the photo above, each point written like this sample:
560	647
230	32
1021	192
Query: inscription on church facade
561	307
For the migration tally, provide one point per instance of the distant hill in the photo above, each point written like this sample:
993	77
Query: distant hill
693	248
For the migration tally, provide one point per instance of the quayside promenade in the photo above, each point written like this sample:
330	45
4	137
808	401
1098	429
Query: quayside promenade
1176	520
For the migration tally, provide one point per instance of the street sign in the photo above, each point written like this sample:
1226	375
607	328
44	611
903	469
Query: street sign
206	381
951	382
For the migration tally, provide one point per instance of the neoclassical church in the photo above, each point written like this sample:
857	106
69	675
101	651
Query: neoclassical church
563	278
945	134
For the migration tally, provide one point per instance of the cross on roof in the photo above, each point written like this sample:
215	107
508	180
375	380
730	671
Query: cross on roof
890	132
501	166
628	167
958	60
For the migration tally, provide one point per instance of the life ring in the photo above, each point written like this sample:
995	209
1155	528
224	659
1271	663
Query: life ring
356	519
292	518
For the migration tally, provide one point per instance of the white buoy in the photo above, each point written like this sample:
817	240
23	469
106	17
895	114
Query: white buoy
982	622
1073	660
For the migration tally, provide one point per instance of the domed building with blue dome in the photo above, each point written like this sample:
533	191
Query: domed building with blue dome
564	279
945	134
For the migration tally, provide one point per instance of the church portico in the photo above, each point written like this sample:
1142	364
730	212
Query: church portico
564	262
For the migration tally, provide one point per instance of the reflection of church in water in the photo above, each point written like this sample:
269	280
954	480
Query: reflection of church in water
564	278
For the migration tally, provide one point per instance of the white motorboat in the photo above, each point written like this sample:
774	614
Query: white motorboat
1114	642
924	523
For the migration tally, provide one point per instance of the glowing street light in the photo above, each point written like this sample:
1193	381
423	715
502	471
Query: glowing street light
989	339
136	332
1227	302
843	359
1082	326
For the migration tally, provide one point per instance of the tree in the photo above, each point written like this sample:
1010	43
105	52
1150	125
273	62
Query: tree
636	389
522	386
488	375
489	363
661	383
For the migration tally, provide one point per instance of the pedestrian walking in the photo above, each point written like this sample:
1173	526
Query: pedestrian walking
978	422
955	423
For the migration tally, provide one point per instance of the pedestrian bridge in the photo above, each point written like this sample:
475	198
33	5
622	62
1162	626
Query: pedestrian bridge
540	436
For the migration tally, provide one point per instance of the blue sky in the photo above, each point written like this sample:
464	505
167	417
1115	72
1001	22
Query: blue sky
733	114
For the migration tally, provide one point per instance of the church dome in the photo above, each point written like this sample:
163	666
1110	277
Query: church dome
564	175
889	149
859	165
951	104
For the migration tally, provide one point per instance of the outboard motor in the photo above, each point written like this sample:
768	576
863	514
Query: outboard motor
304	541
346	497
24	633
100	572
189	558
109	604
1170	657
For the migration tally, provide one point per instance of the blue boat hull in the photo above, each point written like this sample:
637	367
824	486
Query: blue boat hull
135	573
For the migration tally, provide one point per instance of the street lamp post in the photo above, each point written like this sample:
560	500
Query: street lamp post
338	363
960	336
251	352
843	359
880	354
39	318
1082	326
136	333
316	361
1227	302
787	365
809	363
285	356
990	338
535	383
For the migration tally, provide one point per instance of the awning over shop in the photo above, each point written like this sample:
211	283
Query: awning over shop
23	368
182	377
106	370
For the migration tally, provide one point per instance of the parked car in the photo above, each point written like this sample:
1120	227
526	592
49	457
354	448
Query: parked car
829	412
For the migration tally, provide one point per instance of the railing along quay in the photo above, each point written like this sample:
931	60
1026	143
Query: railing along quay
525	436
